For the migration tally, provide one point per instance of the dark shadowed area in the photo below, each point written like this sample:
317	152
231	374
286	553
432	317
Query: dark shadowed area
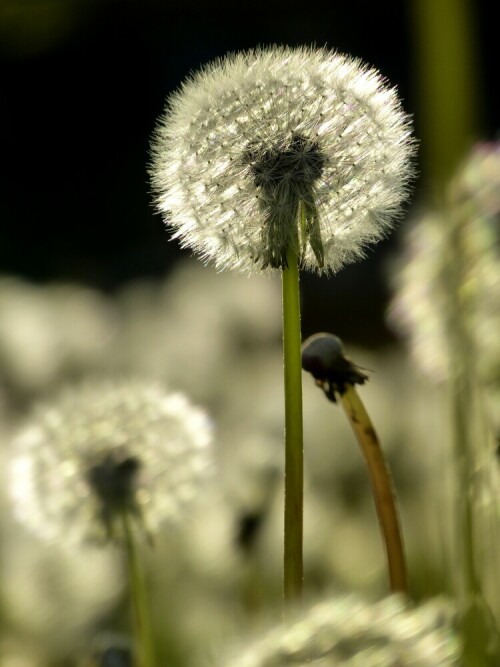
83	83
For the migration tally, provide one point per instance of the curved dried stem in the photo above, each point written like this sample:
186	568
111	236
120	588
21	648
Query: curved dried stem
380	478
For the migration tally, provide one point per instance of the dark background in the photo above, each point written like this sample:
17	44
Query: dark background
83	82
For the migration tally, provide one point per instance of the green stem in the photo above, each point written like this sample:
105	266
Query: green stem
294	477
464	415
139	598
460	395
380	478
445	51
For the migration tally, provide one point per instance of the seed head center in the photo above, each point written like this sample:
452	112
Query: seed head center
300	164
114	480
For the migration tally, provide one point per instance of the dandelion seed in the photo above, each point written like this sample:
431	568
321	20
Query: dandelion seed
104	449
349	632
277	148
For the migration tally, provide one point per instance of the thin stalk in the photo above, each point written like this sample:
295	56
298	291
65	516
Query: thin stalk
447	69
464	414
294	482
469	584
139	598
380	478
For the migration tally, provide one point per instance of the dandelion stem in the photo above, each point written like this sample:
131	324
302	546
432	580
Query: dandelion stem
139	598
464	415
464	465
385	499
294	483
476	620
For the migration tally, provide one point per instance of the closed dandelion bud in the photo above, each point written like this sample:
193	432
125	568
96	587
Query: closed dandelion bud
104	449
282	148
347	632
323	356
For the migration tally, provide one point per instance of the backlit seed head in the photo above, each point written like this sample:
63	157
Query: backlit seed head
455	250
347	632
105	448
282	148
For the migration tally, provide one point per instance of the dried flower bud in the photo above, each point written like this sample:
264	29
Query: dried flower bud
105	448
323	357
278	148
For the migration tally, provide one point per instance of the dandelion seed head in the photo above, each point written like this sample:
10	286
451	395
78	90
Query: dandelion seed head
421	302
350	632
47	332
417	308
106	447
258	139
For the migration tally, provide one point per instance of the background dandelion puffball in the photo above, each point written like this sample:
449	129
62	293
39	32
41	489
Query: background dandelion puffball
349	632
263	129
95	424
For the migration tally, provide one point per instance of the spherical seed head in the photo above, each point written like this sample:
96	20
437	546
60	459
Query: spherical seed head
431	269
282	147
104	448
347	632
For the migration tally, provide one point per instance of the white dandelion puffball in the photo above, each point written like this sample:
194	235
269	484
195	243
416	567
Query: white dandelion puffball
282	147
350	632
105	447
420	308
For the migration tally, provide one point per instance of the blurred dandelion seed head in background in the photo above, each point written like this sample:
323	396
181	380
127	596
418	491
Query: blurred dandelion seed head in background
256	139
51	331
419	307
105	447
350	632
